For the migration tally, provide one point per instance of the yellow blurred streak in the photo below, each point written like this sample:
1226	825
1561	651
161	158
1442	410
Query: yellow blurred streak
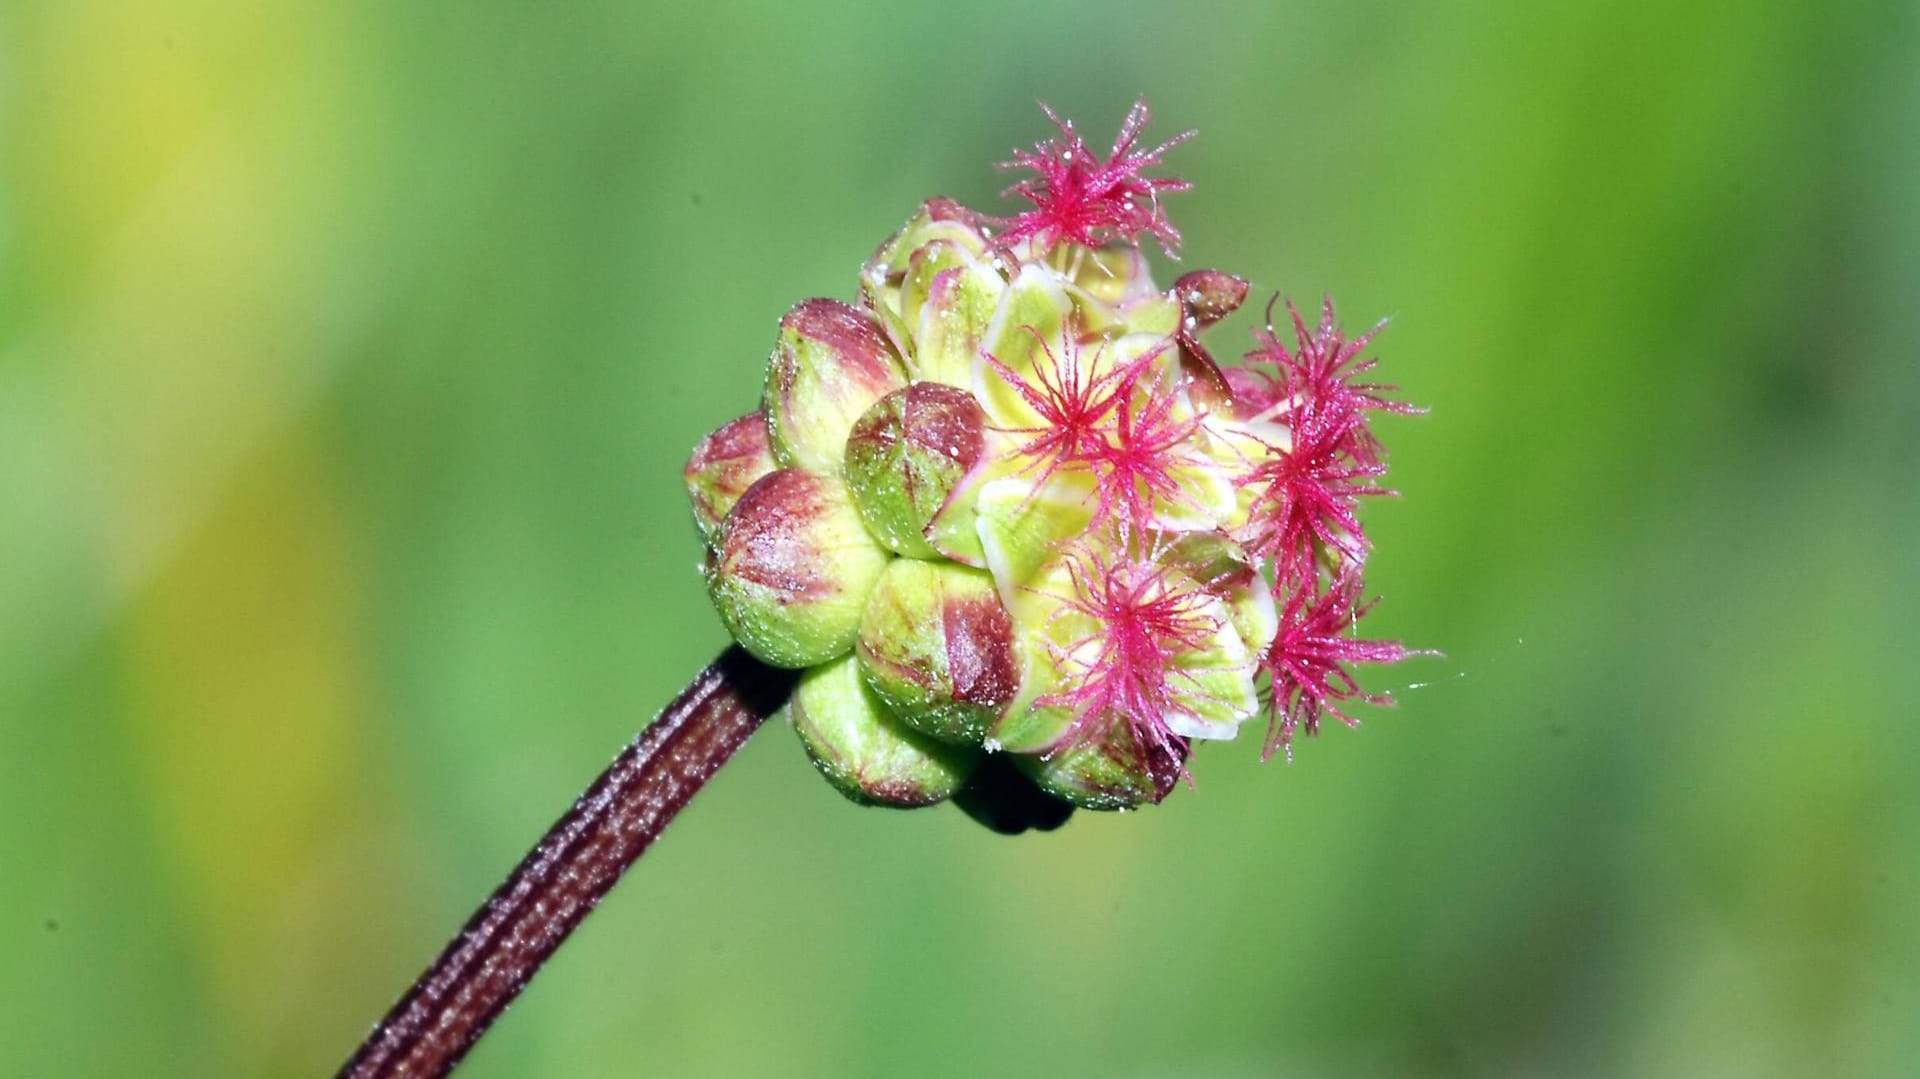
199	328
183	172
195	352
110	100
113	95
181	169
248	702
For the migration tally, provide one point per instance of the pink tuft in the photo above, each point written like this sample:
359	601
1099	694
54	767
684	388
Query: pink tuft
1147	614
1308	660
1080	199
1305	496
1074	404
1135	459
1319	371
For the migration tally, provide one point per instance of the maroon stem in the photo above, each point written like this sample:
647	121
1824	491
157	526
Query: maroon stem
575	864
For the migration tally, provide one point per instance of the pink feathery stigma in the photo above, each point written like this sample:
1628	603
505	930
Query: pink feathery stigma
1145	616
1073	403
1305	495
1079	198
1319	372
1307	663
1138	455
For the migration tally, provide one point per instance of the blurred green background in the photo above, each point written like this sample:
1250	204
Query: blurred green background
349	352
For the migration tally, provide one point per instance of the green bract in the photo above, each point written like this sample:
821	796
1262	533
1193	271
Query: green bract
864	750
937	645
792	568
906	457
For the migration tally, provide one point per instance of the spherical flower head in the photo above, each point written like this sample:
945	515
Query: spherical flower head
1031	542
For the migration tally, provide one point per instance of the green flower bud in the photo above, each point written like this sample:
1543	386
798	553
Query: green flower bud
938	220
955	528
1030	319
947	301
864	750
906	456
723	466
830	363
1156	315
937	646
792	569
1111	292
1044	626
1022	525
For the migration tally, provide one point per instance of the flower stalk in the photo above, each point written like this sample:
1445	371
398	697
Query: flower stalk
570	870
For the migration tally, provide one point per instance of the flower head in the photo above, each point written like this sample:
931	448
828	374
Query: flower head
1028	537
1079	198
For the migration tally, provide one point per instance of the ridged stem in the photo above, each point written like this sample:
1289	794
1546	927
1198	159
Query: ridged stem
574	865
